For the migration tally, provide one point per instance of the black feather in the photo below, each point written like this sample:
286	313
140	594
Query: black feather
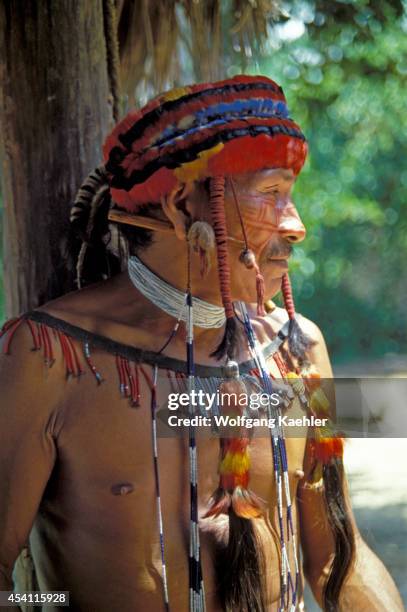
298	342
228	345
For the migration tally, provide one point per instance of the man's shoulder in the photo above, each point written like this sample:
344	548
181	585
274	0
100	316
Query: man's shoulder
81	307
106	309
27	352
36	329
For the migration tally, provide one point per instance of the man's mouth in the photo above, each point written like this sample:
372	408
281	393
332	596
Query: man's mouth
278	254
281	262
279	259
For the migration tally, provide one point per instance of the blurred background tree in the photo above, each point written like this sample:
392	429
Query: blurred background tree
344	77
343	67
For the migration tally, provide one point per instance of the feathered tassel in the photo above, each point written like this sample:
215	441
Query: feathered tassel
298	342
234	466
326	447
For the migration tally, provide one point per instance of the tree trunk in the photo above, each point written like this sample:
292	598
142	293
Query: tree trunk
54	113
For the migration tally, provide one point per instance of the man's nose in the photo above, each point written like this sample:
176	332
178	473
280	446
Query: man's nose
290	225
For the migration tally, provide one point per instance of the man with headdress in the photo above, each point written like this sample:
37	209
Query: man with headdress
194	198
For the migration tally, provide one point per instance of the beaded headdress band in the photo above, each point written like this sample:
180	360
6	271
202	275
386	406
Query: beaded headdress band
238	125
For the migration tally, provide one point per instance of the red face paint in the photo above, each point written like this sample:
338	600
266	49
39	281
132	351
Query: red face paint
265	217
261	223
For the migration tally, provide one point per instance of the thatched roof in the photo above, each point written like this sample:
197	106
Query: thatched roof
163	43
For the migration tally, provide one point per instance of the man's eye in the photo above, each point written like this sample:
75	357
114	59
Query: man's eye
273	192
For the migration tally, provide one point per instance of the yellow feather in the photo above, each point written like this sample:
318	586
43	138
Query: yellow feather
194	170
235	463
175	93
319	402
296	382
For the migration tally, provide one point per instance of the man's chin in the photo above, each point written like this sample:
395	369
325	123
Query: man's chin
272	280
272	288
275	268
244	285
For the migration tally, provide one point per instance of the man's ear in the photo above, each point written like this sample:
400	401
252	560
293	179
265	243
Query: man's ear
175	212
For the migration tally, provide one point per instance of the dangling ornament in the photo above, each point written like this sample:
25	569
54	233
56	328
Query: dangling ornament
202	239
298	342
232	494
247	258
326	446
269	306
298	387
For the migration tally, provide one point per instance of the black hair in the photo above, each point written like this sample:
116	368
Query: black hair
104	244
240	568
342	531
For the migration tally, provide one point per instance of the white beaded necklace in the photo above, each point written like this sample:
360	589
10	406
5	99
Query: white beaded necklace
172	300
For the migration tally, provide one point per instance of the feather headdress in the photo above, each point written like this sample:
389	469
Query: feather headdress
229	127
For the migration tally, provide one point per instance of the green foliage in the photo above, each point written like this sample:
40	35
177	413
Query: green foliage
343	67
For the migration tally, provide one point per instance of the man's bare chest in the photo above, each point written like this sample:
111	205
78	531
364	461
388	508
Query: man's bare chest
105	454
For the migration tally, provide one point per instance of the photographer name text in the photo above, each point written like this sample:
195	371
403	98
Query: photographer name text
248	422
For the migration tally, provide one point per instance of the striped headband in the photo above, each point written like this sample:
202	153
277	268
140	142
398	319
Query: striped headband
225	128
